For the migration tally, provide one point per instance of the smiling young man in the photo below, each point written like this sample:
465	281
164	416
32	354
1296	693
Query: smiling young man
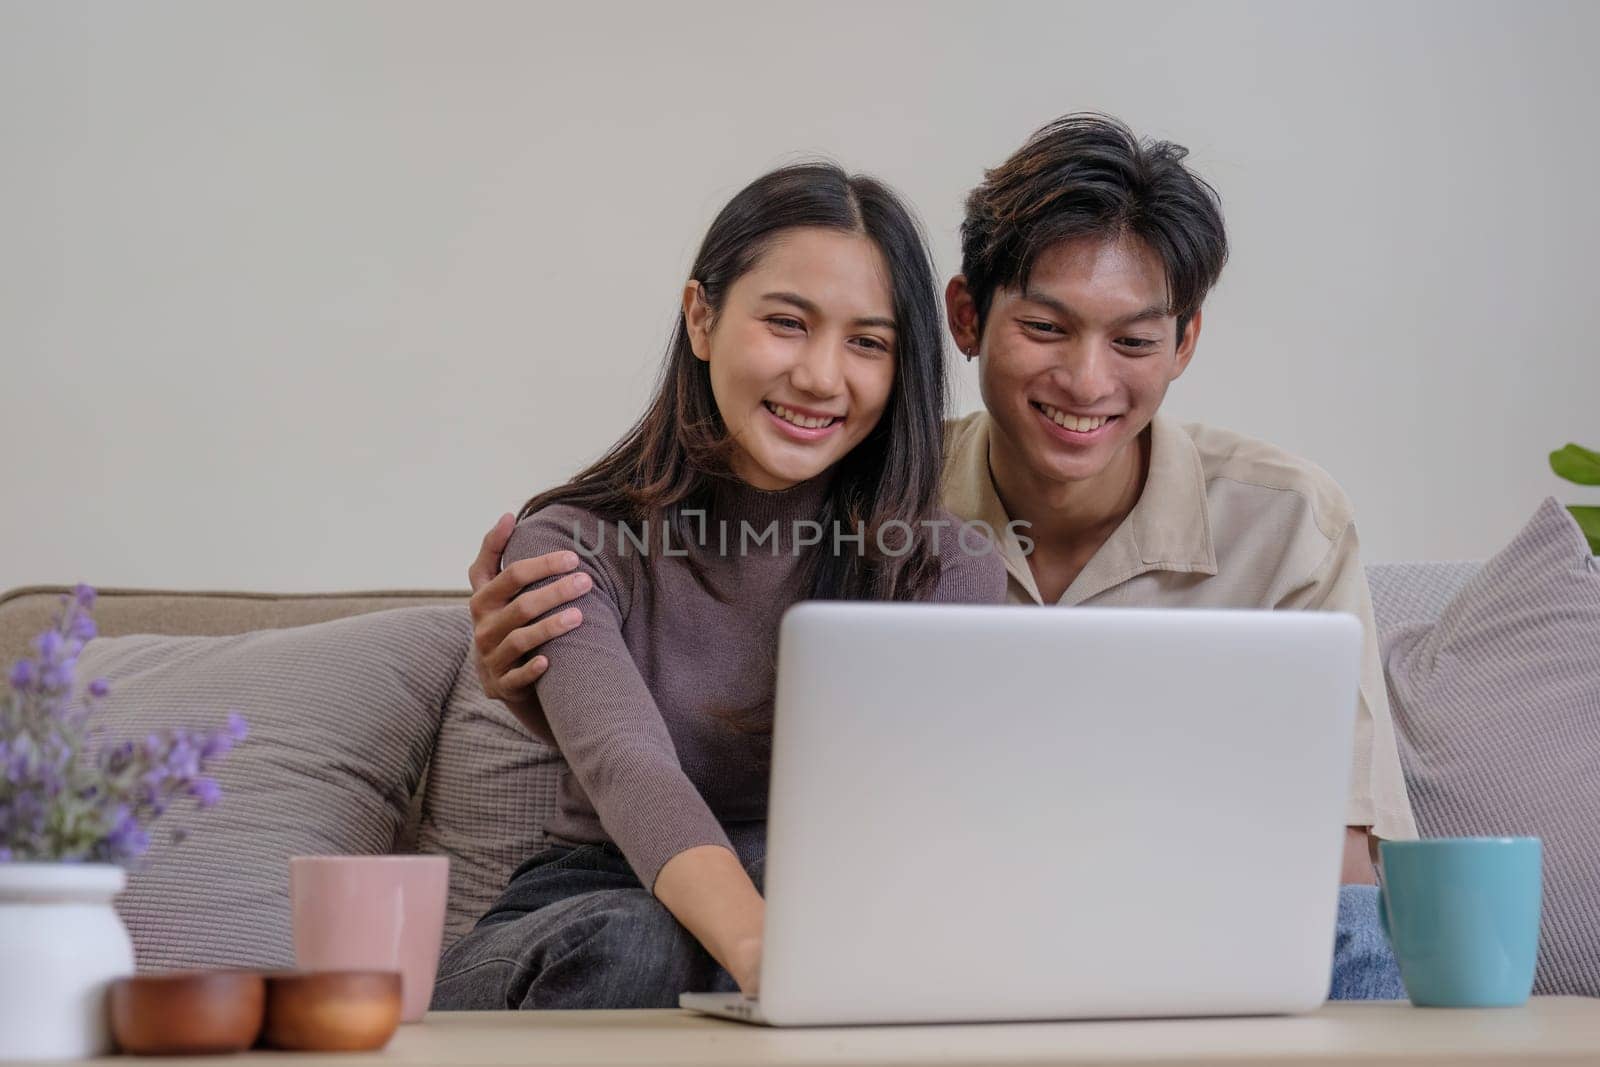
1086	257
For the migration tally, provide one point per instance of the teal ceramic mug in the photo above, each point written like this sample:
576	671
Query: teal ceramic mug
1462	914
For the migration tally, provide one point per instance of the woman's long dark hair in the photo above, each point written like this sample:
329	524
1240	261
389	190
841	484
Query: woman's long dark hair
672	458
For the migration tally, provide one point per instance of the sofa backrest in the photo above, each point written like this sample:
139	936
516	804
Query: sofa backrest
1401	593
24	612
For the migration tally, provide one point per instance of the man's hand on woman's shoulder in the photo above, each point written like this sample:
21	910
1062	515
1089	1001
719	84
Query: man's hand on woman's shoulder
509	624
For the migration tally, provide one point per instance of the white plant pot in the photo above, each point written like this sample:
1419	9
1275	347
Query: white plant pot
61	944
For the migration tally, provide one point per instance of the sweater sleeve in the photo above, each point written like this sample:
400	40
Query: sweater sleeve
603	717
971	569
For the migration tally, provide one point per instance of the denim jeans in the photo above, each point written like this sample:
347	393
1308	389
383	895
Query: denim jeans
575	929
1363	965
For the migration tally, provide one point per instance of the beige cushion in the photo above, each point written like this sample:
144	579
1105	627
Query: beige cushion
342	716
491	788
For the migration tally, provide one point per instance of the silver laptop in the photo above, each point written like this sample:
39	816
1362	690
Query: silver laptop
1003	813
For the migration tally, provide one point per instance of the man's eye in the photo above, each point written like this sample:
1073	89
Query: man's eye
786	323
1041	327
1137	342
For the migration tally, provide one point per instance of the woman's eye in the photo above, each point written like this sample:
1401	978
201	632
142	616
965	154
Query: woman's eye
784	322
873	343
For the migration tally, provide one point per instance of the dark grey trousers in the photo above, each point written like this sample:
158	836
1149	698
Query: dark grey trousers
575	929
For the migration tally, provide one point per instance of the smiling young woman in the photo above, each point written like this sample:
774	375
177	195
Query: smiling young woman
803	391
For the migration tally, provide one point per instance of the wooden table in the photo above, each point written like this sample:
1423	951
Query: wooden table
1548	1030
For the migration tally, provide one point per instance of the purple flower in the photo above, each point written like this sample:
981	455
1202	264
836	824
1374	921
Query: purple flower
18	766
206	791
68	795
183	758
50	781
116	759
28	811
83	628
127	837
22	675
220	742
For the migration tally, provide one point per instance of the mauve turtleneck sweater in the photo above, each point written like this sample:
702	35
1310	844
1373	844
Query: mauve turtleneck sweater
633	695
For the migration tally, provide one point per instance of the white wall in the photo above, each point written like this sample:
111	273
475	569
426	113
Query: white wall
303	295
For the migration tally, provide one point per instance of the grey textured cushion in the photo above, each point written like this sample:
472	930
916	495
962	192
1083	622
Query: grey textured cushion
341	714
491	788
1497	713
1405	593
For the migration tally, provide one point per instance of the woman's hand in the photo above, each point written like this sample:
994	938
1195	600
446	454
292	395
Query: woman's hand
504	630
744	963
711	894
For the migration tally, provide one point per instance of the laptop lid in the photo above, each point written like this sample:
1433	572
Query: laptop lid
986	813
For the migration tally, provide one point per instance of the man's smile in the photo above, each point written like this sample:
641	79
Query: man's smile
1074	428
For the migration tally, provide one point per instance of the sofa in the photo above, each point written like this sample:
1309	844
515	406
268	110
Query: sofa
477	787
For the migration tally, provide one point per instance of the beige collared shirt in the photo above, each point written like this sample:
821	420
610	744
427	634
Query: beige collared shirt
1225	521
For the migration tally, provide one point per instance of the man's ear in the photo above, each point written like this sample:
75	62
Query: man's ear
1186	345
697	320
961	312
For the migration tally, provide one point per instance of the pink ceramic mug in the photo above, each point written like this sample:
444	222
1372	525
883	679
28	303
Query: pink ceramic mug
371	913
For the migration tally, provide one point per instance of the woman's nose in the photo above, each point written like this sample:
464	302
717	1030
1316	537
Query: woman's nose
819	370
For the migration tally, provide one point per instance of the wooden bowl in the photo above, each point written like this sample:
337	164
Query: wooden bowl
332	1011
187	1012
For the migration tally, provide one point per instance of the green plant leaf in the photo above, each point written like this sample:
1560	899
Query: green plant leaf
1576	465
1589	521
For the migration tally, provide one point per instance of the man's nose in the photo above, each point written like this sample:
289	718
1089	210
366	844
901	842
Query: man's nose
1087	372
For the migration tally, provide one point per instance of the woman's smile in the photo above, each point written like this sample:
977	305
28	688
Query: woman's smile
802	424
